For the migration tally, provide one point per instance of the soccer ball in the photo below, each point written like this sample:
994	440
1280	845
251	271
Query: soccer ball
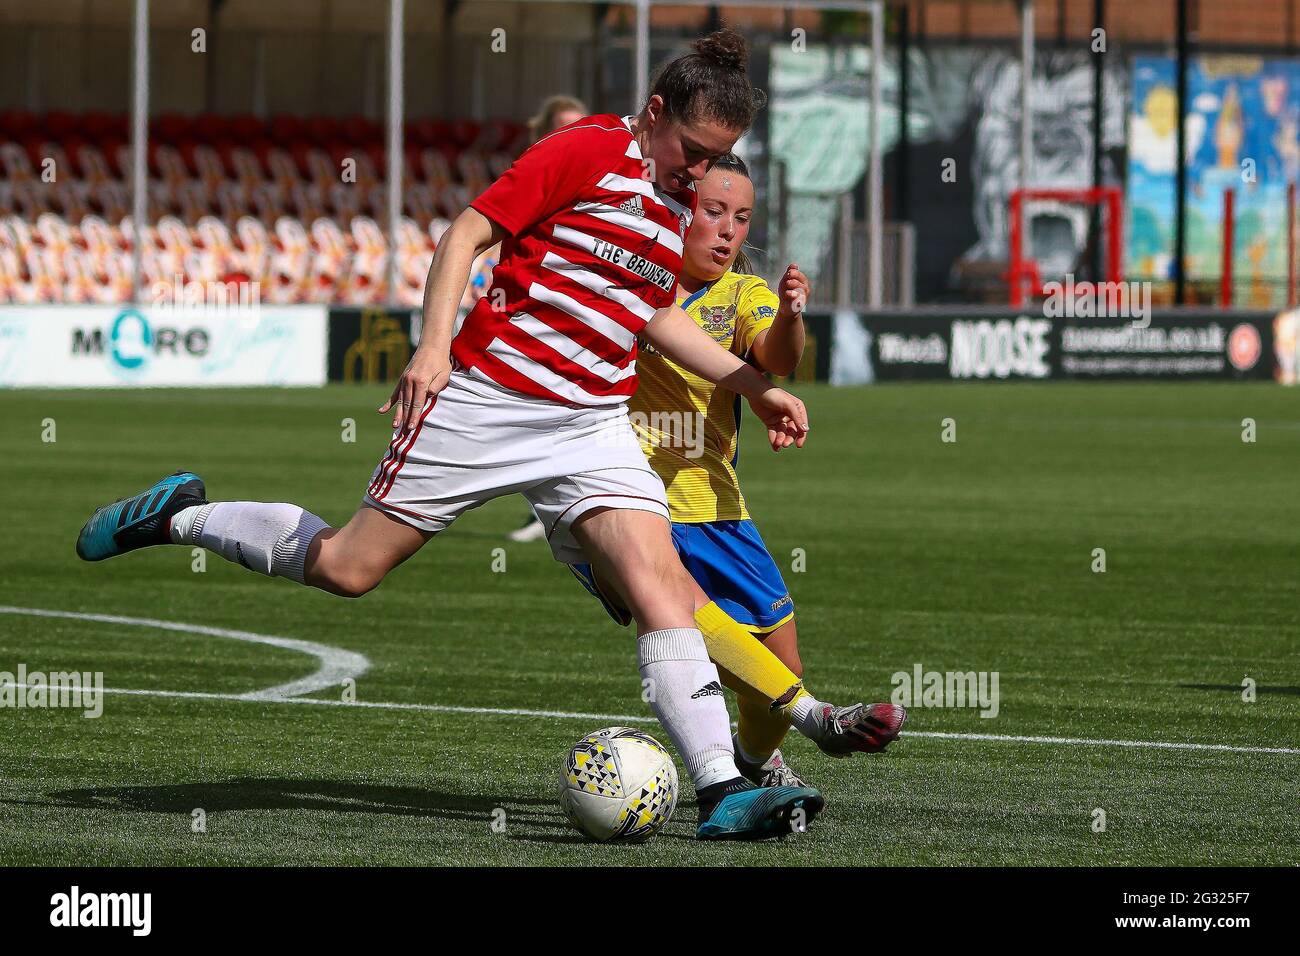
618	784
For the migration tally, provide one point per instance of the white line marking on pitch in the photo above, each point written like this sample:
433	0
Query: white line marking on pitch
332	658
1085	742
336	665
643	719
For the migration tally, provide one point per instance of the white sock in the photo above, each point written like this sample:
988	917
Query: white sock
803	716
686	696
269	538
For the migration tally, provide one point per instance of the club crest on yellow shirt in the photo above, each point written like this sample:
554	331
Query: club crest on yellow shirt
718	320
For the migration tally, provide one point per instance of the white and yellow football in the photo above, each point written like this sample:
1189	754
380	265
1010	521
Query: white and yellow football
618	785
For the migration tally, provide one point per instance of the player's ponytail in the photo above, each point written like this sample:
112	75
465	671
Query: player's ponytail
711	83
731	163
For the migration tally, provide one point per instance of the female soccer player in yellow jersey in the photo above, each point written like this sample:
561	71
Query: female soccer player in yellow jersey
688	428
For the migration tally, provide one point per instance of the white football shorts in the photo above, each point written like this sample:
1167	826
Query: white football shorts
477	440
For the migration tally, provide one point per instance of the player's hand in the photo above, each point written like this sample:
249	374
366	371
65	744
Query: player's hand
425	376
785	417
793	290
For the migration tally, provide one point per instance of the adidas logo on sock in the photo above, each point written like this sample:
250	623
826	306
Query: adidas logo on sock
711	689
633	207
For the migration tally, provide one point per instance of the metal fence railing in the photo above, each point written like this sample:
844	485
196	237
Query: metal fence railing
843	278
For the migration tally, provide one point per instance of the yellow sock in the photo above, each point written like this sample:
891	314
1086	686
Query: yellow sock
760	729
733	648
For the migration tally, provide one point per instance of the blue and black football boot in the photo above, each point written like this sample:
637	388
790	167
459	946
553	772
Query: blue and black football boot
738	810
141	520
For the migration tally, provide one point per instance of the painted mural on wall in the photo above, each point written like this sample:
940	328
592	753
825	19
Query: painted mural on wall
1061	154
1242	127
818	129
964	108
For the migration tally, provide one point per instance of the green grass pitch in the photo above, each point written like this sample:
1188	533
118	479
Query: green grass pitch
968	555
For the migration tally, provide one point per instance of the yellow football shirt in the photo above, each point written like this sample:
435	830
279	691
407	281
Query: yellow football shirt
686	424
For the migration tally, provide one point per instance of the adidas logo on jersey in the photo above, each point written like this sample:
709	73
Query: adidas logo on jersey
633	207
711	689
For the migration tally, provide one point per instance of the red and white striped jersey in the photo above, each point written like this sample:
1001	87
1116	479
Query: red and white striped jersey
594	250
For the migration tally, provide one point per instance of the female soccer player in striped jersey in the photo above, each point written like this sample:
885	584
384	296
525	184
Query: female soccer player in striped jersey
530	398
712	530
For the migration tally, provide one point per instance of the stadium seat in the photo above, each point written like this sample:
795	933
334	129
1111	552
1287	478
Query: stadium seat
233	196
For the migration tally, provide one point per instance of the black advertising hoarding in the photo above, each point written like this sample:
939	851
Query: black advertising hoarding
373	345
368	345
1001	345
1175	345
815	366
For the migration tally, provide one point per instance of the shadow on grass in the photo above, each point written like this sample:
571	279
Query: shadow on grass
528	817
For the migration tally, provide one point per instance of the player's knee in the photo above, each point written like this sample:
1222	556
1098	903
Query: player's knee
661	586
661	571
677	581
784	644
355	587
346	581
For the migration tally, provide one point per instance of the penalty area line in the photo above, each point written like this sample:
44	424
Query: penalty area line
643	719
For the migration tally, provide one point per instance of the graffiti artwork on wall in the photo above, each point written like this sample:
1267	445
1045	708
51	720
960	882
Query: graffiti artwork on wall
963	118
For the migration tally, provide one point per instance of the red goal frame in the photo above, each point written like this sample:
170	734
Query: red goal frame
1020	269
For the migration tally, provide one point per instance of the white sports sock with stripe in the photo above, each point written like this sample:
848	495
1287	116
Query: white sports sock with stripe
686	695
268	538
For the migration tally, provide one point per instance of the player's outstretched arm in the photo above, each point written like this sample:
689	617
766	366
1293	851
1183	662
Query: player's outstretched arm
430	367
779	348
674	333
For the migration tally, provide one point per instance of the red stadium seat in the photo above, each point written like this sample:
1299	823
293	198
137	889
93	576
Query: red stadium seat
70	147
301	151
171	128
464	132
17	124
210	127
377	156
216	183
92	164
420	132
58	125
246	128
323	129
358	130
34	148
226	150
284	129
97	126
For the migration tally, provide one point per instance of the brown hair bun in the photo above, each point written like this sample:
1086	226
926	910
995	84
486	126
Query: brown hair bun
711	82
725	47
